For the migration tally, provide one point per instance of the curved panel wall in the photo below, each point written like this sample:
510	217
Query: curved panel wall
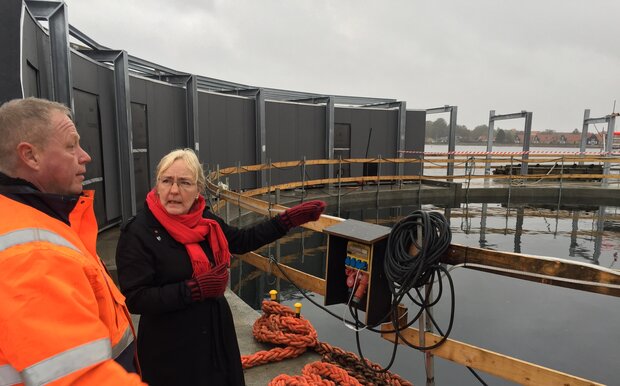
231	129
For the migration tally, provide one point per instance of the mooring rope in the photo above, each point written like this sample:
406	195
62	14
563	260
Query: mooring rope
281	325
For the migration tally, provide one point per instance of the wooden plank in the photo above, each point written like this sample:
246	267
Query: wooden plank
539	269
503	366
303	280
547	270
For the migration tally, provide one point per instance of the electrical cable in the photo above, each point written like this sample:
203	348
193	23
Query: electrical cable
405	274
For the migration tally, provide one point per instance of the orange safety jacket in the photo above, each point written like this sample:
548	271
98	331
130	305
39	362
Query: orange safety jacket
62	319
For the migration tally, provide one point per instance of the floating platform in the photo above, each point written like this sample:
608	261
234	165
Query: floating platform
559	169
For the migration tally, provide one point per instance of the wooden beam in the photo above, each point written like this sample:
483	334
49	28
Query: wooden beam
301	279
547	270
503	366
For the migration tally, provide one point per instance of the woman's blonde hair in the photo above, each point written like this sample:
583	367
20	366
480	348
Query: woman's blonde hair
192	162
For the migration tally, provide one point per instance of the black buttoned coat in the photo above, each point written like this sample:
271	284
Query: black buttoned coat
181	342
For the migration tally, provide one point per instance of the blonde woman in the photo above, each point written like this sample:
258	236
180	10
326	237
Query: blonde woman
173	261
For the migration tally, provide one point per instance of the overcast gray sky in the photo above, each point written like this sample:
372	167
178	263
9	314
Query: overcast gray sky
554	58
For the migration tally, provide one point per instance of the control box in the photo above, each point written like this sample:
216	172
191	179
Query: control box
355	274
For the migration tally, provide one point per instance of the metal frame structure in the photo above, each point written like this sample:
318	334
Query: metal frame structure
527	131
402	127
55	12
610	120
195	83
120	60
453	110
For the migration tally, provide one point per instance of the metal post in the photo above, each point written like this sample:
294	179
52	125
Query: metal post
519	229
573	234
611	123
329	134
125	136
303	178
239	195
278	253
483	226
378	186
452	139
598	239
584	133
339	181
402	130
261	136
509	190
429	362
193	132
526	143
227	207
420	186
487	166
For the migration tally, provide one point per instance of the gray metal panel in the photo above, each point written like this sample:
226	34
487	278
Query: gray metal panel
139	131
85	74
141	171
311	136
10	55
414	139
139	126
381	141
138	89
36	52
295	131
86	118
98	80
227	134
167	120
283	139
31	81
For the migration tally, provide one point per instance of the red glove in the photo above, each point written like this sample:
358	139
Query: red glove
301	214
209	285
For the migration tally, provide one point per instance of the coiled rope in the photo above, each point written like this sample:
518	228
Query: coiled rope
280	325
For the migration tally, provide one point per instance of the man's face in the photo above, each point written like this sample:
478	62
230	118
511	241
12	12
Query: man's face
63	161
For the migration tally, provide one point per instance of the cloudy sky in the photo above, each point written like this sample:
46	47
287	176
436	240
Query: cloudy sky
554	58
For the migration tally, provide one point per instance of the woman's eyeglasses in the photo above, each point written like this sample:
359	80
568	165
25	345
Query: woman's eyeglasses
182	183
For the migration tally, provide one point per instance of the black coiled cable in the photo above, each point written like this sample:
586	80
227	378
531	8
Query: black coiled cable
405	271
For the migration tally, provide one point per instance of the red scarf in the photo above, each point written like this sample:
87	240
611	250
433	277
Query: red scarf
190	229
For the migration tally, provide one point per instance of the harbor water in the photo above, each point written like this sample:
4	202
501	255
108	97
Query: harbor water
567	330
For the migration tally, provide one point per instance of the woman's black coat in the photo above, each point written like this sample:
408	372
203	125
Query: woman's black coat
181	342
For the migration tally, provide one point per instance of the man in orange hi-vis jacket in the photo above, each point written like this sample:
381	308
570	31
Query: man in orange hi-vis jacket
62	319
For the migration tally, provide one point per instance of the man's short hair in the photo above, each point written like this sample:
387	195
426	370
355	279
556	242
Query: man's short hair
24	120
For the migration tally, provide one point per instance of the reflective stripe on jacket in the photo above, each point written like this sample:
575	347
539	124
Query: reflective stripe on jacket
62	319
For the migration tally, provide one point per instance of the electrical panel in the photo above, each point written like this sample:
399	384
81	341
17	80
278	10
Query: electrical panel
355	275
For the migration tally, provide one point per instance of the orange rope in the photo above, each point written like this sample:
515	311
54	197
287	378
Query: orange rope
279	325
